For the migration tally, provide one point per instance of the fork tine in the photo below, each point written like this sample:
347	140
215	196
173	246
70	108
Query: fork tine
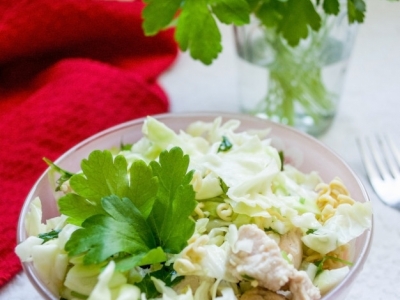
391	154
394	149
368	164
376	153
380	156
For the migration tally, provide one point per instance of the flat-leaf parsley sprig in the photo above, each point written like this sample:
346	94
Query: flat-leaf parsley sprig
134	214
198	32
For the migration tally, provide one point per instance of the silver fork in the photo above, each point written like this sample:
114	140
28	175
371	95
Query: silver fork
382	162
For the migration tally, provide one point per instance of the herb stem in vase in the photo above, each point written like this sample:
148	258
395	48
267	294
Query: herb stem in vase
303	82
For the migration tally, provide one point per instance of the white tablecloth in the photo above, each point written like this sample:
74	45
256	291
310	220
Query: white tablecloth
370	104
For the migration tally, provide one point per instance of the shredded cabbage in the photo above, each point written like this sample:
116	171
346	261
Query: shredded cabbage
348	222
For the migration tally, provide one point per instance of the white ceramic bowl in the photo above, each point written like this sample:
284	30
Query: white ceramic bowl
316	156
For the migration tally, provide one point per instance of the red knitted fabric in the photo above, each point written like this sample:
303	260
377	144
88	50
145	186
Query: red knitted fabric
68	69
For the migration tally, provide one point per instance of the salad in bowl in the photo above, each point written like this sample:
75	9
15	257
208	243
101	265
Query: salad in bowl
210	211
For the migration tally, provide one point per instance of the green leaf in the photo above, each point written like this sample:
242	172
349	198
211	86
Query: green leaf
125	147
154	256
122	230
331	7
231	11
126	263
138	218
225	145
270	13
175	202
167	274
197	31
147	286
47	236
171	171
292	18
224	187
299	16
356	10
178	227
65	175
77	208
253	4
102	176
143	187
158	14
311	231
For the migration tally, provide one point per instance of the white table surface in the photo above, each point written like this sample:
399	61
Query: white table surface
370	104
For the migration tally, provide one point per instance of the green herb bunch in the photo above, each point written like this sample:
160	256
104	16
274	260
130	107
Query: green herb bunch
196	20
135	215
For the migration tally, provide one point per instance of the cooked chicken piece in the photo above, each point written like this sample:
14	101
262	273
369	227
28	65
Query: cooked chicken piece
302	287
291	243
257	257
261	294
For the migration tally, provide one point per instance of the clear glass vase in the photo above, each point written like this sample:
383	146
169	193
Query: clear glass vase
298	86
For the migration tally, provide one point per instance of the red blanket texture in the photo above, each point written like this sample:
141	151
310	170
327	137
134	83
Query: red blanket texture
68	69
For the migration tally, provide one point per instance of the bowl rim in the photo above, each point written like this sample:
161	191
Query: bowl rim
355	269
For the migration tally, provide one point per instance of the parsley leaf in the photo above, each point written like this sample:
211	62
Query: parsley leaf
356	10
65	175
298	17
158	14
125	262
103	176
311	231
225	145
147	286
197	31
47	236
175	201
223	185
122	229
135	215
143	186
292	18
231	11
331	6
270	13
78	208
126	147
167	274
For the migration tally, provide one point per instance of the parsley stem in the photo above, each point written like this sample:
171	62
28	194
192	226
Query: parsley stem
304	81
